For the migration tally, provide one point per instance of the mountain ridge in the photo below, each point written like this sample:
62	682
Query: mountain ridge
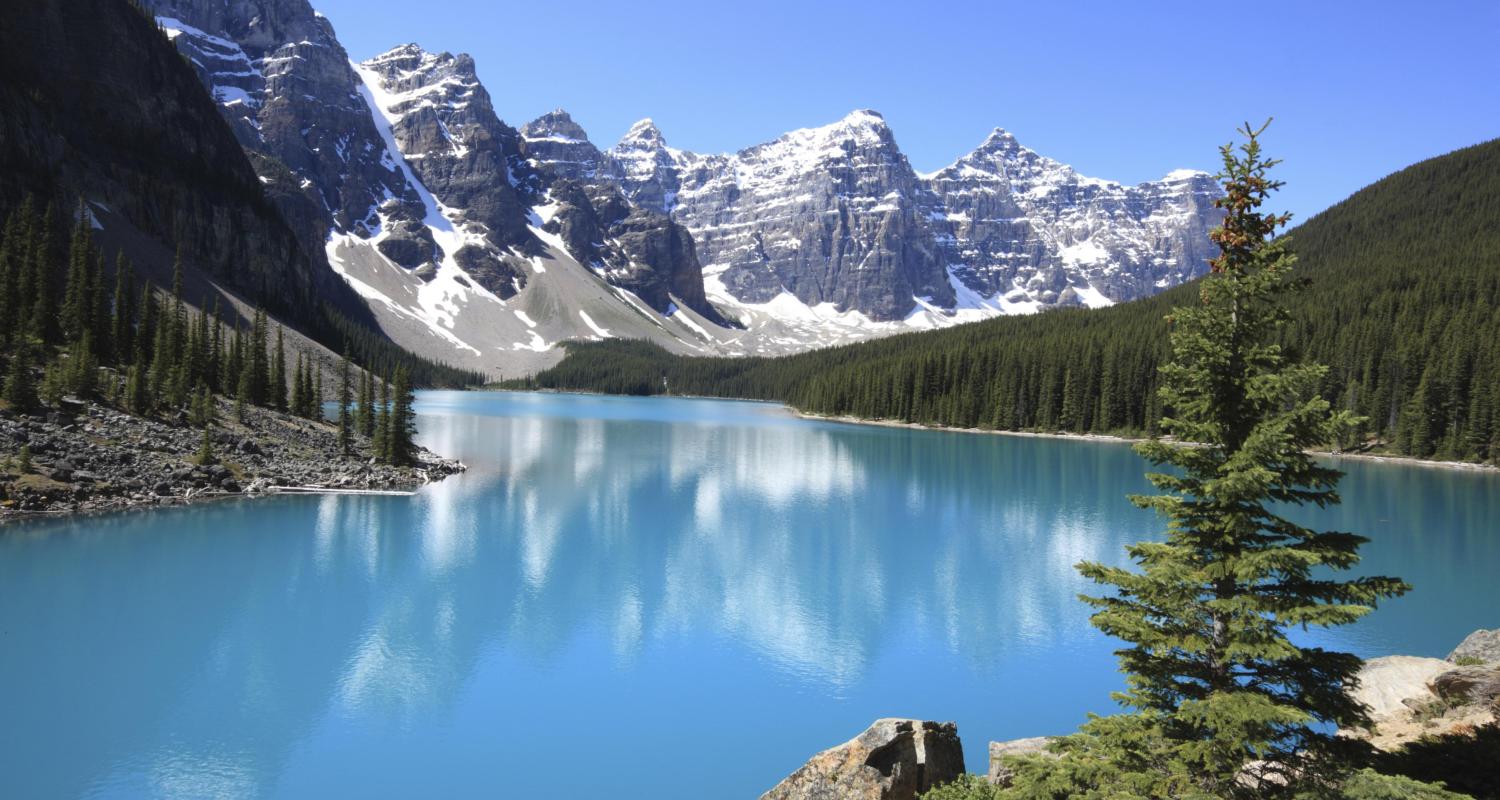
824	235
1402	304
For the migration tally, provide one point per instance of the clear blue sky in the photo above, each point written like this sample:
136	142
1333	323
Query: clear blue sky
1124	91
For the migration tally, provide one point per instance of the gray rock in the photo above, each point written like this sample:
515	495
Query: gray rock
633	245
461	151
285	84
1389	685
1000	774
1032	230
836	214
1481	644
893	759
832	215
1468	686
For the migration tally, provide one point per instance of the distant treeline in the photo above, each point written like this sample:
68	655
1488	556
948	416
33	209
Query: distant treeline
1402	302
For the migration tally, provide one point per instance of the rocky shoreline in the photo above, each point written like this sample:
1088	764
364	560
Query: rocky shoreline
1411	700
88	458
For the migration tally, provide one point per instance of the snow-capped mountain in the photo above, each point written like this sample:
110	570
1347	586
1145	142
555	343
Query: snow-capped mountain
487	246
286	85
835	218
1023	231
403	180
832	215
633	246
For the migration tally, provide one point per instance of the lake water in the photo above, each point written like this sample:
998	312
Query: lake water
652	598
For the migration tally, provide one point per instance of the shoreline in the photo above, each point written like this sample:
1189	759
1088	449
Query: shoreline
91	458
208	496
1102	438
1378	458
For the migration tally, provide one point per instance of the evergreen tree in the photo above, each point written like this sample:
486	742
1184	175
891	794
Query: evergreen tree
13	249
215	367
82	375
233	361
317	394
145	332
200	356
43	322
20	389
99	314
278	373
401	421
381	437
77	306
298	403
206	454
1214	680
364	418
259	362
122	329
201	411
137	390
346	419
244	391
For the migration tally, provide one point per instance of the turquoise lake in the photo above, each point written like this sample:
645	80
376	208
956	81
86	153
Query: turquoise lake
652	598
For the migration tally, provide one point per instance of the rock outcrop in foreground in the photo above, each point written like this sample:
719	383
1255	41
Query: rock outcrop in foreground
1000	773
1411	697
89	457
894	759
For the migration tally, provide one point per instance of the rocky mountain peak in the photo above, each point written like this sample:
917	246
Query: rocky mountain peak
401	52
555	125
445	128
1187	176
864	118
642	135
1000	140
862	128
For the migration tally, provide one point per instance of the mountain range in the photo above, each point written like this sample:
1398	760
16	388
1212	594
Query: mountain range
486	246
1399	296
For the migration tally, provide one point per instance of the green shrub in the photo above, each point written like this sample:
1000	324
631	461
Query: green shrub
966	787
1370	785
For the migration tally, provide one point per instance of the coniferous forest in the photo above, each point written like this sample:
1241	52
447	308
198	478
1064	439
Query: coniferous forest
71	325
1402	303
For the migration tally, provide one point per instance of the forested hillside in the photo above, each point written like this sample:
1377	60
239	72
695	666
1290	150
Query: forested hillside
1402	302
97	107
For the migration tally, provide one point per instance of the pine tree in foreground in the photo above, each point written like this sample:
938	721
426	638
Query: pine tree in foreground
1224	702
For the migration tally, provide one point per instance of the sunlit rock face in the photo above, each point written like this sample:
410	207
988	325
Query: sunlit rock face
1029	230
286	85
828	215
836	215
632	245
823	236
446	129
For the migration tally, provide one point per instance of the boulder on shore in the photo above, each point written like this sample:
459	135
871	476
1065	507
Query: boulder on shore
1477	686
894	759
1386	684
1411	697
1002	775
1481	645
